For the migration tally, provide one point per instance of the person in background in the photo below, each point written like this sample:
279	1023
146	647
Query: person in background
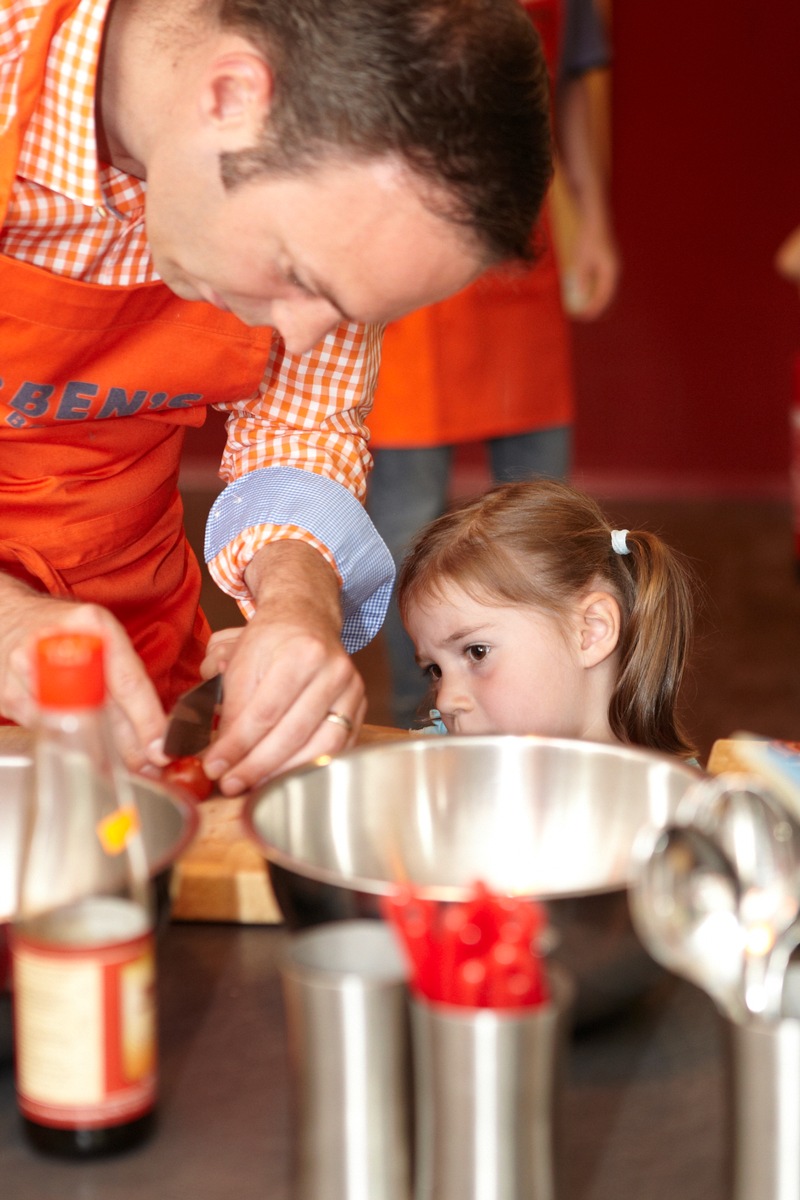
531	614
220	202
493	363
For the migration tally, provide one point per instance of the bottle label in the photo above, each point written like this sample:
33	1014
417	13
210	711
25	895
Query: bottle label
84	1021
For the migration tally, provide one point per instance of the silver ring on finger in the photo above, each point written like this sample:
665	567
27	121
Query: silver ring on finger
340	719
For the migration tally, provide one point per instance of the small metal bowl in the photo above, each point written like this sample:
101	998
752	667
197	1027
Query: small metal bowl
169	823
541	817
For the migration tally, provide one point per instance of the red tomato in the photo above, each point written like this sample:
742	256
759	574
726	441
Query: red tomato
188	773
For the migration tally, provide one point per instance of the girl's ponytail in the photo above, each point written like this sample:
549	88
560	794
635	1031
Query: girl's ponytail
653	645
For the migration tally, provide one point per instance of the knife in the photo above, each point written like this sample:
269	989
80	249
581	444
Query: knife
191	721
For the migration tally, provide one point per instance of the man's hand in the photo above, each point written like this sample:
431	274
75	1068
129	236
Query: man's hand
285	672
134	708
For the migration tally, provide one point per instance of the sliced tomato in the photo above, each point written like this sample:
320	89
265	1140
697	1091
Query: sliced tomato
188	773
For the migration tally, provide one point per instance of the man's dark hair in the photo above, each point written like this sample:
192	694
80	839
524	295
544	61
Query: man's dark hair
457	89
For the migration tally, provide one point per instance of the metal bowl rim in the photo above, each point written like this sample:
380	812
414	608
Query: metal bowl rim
357	883
176	795
191	820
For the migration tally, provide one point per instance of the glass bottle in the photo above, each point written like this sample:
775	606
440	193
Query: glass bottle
82	942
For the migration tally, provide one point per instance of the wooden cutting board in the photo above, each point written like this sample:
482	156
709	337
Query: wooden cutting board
223	876
723	757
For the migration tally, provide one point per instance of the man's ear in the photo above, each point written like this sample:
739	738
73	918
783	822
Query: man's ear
598	627
236	98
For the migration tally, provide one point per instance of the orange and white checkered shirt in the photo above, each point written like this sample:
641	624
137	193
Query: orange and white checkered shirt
76	217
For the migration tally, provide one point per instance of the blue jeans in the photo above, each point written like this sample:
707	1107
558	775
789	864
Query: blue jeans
407	489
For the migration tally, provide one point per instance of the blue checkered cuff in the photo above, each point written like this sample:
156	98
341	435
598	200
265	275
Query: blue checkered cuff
329	512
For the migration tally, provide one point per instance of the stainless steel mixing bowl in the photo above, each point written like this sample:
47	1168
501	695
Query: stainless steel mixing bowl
169	822
542	817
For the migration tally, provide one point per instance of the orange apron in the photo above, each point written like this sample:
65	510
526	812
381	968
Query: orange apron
97	386
493	360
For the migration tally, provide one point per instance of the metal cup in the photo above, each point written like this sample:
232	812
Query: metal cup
764	1154
349	1045
487	1084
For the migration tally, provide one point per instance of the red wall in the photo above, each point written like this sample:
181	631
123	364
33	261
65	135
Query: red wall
685	385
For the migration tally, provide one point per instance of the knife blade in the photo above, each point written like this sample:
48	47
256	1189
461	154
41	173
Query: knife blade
191	721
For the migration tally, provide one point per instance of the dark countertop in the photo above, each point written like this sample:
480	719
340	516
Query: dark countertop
644	1105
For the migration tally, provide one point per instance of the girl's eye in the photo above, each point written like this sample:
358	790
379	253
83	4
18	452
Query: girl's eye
432	672
476	653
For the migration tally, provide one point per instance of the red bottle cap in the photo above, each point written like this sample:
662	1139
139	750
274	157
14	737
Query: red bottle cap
70	670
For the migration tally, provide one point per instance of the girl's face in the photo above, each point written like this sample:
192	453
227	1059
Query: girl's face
511	669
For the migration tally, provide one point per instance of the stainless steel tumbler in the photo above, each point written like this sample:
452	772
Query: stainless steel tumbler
765	1110
487	1085
349	1045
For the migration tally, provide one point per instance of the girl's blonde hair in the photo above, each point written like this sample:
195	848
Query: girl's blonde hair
545	544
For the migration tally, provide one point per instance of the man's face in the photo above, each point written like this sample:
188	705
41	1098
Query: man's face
302	254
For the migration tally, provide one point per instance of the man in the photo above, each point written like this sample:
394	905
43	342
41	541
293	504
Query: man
222	202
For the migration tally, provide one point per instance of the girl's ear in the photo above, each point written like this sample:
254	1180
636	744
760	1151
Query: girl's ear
598	626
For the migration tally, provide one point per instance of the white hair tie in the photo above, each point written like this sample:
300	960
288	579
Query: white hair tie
619	543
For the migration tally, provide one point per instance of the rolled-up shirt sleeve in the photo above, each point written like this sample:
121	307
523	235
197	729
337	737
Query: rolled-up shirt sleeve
296	464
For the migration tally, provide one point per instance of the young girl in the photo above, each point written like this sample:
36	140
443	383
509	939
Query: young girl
530	614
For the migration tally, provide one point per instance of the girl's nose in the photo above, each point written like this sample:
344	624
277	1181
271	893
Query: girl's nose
452	697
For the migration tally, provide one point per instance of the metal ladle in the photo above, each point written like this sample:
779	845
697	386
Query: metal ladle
684	902
761	841
783	988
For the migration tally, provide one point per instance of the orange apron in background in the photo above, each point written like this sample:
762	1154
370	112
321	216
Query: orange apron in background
97	386
493	360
